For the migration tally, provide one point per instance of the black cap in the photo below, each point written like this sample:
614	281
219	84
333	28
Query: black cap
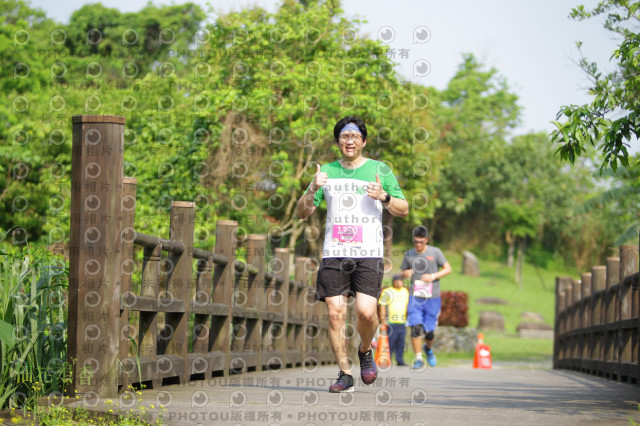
397	277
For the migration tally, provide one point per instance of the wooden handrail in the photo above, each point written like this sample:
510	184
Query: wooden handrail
598	319
229	317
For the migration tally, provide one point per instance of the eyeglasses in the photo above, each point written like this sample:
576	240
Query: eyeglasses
419	241
347	137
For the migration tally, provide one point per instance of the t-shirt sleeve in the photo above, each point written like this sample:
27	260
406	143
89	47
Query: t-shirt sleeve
440	259
389	181
385	298
317	199
405	263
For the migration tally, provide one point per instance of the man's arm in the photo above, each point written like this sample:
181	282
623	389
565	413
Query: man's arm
305	206
446	270
405	267
397	207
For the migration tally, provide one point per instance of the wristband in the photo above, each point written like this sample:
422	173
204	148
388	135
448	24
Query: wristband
433	277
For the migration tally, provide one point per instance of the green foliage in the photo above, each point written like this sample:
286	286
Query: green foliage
522	220
621	199
33	326
477	112
232	111
538	256
611	121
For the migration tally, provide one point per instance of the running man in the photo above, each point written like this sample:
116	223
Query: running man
423	265
356	189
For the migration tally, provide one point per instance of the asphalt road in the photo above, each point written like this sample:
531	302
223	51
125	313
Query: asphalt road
506	394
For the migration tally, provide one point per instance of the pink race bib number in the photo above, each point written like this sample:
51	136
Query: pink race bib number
422	289
347	233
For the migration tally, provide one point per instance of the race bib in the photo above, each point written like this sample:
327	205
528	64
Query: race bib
422	289
347	233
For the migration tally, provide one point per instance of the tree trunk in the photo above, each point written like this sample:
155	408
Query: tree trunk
520	261
296	230
512	245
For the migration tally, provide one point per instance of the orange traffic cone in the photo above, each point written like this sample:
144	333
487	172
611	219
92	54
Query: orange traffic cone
482	358
383	354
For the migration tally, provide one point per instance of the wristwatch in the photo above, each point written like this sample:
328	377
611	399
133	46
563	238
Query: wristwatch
387	199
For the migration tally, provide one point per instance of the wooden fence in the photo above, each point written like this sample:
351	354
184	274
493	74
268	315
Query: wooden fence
221	317
597	326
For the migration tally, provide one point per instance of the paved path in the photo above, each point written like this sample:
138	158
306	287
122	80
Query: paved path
438	396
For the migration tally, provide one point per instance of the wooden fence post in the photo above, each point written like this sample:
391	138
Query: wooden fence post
223	282
628	266
585	319
611	314
148	320
201	321
95	252
626	332
281	270
256	253
598	285
557	331
586	296
297	309
613	271
179	286
128	209
562	301
313	332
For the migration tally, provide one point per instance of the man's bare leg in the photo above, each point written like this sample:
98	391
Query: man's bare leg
416	342
337	310
367	319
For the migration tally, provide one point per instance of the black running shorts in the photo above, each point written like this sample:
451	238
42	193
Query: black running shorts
346	276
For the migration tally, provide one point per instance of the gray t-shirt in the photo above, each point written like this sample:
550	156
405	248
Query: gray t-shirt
428	262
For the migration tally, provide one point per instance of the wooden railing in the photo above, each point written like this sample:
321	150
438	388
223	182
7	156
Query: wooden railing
597	326
225	317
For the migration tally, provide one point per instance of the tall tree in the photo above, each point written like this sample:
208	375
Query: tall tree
612	120
288	77
474	115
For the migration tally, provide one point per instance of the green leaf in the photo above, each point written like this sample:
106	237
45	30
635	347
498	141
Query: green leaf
6	334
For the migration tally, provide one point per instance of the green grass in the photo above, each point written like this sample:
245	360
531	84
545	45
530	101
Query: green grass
536	294
508	348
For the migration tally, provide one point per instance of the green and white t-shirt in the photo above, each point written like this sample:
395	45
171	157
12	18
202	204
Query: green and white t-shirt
354	220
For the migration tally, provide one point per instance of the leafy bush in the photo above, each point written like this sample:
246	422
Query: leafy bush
33	326
455	307
536	255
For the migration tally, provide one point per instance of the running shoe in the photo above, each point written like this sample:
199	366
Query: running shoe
417	364
368	367
343	384
431	357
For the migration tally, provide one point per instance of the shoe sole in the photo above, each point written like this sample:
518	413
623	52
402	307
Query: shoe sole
350	389
368	382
